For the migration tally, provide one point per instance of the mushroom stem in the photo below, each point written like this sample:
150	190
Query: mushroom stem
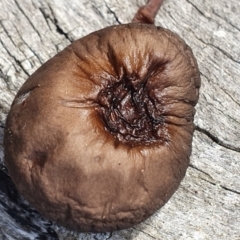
148	12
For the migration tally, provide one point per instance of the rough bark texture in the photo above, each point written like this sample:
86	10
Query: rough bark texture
207	204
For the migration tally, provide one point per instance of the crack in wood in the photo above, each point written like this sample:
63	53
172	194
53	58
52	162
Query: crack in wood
58	27
34	53
10	54
229	189
217	140
199	11
140	230
113	13
200	170
171	16
30	22
46	17
210	44
226	20
234	100
10	38
14	58
6	80
213	182
228	55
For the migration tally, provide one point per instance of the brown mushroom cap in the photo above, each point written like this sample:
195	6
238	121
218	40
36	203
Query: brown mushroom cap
99	137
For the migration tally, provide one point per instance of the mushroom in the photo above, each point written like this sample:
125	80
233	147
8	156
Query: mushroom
99	137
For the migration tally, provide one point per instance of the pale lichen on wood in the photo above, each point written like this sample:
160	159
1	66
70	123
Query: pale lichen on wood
207	204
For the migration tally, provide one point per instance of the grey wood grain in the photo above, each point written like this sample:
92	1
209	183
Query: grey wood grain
207	204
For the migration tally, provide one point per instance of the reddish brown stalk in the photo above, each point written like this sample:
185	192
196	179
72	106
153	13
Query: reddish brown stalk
147	13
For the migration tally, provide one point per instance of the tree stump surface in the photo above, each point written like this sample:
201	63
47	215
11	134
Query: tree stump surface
207	203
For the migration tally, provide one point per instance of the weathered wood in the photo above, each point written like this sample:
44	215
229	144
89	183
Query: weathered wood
207	204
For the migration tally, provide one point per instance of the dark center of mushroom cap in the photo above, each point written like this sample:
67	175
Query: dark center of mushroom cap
130	113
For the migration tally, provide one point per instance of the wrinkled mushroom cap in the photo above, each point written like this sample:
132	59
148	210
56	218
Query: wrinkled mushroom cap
99	137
